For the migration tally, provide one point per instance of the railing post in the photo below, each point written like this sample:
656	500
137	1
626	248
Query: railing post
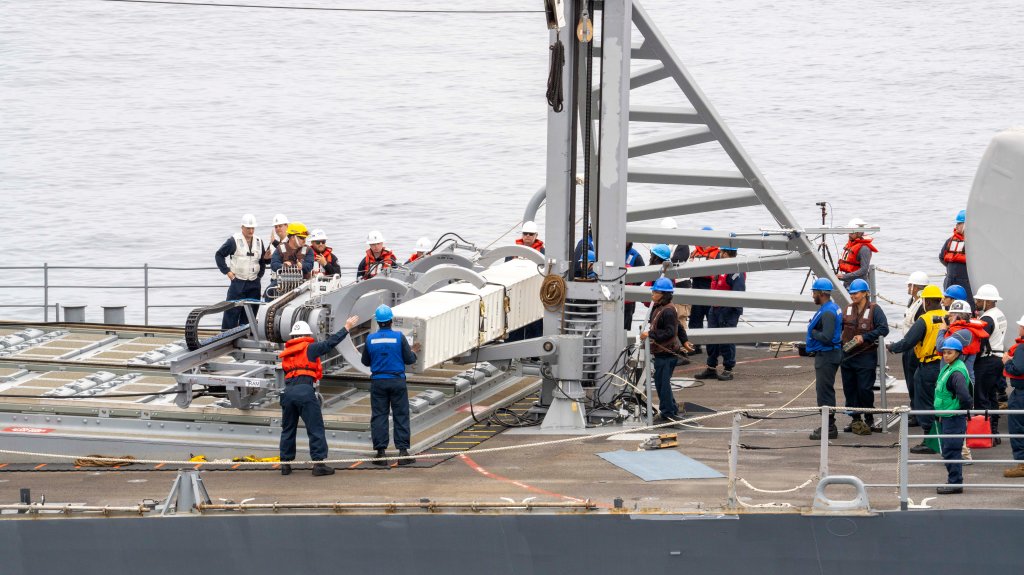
881	355
904	455
823	464
46	292
734	448
145	294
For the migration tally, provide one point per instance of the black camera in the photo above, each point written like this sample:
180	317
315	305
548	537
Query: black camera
801	349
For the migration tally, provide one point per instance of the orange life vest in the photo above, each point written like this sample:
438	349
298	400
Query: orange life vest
294	361
415	256
386	259
978	333
850	262
1013	349
956	251
327	257
704	253
537	244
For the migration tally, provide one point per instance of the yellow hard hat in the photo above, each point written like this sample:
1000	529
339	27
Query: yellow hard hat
931	291
297	229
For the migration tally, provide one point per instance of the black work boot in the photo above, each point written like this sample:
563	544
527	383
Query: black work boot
405	453
833	433
726	375
381	454
286	469
708	373
320	469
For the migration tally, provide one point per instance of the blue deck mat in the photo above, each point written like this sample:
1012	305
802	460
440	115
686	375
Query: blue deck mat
659	464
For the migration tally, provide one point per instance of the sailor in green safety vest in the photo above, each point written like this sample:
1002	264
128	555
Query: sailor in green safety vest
953	393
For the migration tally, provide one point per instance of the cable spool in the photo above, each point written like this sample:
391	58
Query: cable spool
552	292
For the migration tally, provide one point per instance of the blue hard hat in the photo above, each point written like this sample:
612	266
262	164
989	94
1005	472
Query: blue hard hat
953	343
662	251
591	256
956	292
961	216
707	229
858	285
727	248
822	284
663	285
383	314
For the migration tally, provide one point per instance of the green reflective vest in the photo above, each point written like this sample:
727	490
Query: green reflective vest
944	399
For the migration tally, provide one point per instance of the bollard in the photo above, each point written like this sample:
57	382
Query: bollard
74	314
113	314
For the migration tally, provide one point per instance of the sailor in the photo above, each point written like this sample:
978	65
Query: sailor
856	260
988	367
279	235
915	307
633	259
377	256
724	316
698	313
921	337
423	247
321	258
241	259
663	331
661	254
529	237
951	294
291	253
1013	369
586	264
824	340
953	255
300	362
681	252
952	392
863	323
387	352
971	333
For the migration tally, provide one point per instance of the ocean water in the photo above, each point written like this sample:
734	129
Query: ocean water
134	133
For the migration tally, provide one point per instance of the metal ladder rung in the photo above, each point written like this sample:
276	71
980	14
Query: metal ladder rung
716	178
663	143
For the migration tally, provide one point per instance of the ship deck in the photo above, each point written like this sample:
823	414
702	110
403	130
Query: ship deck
777	455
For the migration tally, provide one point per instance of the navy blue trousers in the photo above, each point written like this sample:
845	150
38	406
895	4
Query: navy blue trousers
392	395
1017	423
858	373
925	377
663	368
951	446
723	317
299	401
240	289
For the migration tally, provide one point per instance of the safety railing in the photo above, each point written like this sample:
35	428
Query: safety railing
906	437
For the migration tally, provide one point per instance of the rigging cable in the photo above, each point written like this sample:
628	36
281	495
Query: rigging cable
329	9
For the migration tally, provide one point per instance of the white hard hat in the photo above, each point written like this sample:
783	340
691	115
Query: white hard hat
988	292
669	224
960	306
529	228
1020	322
856	223
374	237
300	328
918	279
317	236
281	219
248	221
423	244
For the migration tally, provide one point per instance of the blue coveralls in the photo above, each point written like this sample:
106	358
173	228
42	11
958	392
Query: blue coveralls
824	339
721	316
299	400
387	353
239	289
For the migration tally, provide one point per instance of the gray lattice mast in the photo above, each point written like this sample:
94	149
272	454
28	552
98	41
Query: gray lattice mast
596	309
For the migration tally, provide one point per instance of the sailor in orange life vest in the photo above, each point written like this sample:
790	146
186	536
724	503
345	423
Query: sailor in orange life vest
724	316
988	367
241	259
666	345
377	257
1013	369
698	313
863	323
530	238
423	247
321	258
953	255
856	260
960	323
300	362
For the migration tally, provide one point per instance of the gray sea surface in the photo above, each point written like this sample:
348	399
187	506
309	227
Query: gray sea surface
133	133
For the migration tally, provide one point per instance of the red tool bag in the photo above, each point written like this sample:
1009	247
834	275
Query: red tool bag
980	425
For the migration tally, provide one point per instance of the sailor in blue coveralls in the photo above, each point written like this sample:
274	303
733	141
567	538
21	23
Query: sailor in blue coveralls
387	353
